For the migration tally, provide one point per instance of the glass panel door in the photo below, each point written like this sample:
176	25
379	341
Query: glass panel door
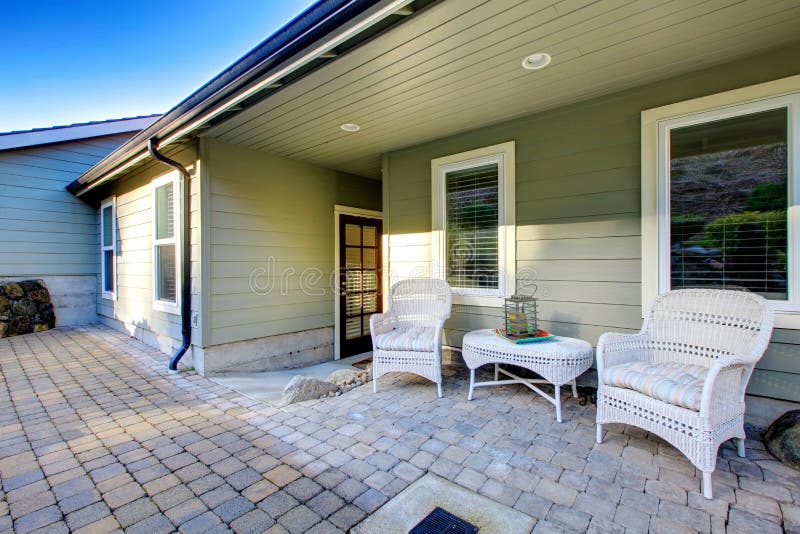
360	291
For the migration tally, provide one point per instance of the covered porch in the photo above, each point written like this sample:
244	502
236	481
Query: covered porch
447	78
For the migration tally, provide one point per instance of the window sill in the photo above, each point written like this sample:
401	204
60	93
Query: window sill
166	307
109	296
790	320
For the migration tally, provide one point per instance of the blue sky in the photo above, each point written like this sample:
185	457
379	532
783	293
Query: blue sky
81	60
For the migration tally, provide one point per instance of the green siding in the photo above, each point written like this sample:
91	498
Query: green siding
577	209
134	305
262	206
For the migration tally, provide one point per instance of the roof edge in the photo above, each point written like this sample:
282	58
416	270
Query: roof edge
72	132
320	21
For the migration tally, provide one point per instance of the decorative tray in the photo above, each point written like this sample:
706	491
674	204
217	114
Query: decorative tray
541	335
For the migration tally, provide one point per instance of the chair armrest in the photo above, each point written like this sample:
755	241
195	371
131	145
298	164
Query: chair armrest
725	385
614	348
381	323
439	328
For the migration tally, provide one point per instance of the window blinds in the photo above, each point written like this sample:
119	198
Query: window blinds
472	222
166	267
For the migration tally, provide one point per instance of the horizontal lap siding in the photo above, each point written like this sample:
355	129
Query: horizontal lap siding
578	215
45	230
264	208
134	304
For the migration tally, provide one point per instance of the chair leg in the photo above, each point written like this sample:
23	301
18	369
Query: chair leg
374	384
471	384
740	447
439	389
574	389
599	436
557	397
707	489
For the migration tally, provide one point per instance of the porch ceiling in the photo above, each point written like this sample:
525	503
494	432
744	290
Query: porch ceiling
456	66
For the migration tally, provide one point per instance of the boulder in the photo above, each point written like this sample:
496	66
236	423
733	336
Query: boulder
5	305
343	376
47	316
301	388
40	295
12	290
783	438
24	307
3	329
29	286
19	325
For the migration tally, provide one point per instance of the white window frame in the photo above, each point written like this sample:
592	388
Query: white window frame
110	295
160	304
504	155
656	125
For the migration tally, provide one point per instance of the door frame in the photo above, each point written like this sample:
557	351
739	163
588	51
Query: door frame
356	212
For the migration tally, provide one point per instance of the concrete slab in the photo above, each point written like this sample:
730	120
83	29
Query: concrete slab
411	505
267	386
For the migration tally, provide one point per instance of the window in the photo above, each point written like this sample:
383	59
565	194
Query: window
166	243
726	188
108	248
473	223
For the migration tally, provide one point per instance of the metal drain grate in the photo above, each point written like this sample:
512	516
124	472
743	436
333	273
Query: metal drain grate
441	521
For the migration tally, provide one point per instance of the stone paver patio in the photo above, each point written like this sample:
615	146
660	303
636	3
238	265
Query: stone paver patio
95	436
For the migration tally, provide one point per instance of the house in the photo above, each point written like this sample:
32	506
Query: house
599	152
45	232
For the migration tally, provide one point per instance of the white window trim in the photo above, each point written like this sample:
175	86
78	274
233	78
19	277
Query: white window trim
655	193
158	304
504	155
110	201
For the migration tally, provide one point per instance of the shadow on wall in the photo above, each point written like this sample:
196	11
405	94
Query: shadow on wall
143	330
568	324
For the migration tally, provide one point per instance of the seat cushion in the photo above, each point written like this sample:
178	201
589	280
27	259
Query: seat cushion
416	339
674	383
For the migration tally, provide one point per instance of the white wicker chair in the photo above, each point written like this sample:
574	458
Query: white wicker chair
408	337
725	332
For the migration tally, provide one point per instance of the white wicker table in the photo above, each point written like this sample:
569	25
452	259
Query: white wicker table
558	361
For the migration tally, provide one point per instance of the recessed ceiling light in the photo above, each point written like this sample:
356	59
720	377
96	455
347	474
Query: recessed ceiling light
350	127
536	61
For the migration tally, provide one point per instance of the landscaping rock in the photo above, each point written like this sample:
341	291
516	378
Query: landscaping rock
25	307
342	376
19	325
783	438
302	388
29	286
39	295
11	290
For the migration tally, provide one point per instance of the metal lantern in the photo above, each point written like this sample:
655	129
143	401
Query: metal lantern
521	315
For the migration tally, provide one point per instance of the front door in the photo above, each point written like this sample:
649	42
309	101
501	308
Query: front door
360	279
